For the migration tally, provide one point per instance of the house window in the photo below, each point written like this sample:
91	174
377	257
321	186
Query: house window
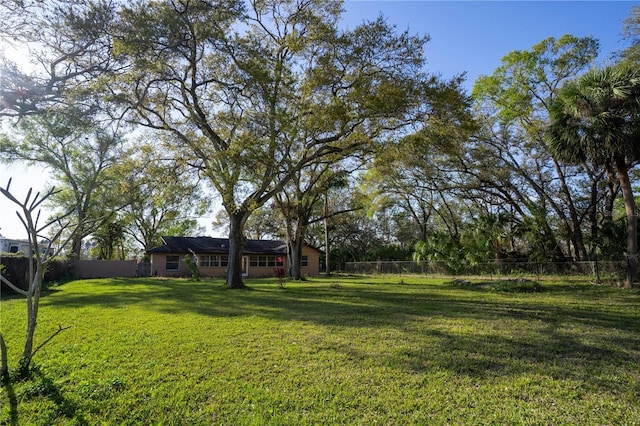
172	263
224	260
208	261
13	249
304	261
266	261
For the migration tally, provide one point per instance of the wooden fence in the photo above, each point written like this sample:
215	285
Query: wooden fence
110	269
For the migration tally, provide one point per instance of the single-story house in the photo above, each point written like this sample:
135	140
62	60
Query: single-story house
259	259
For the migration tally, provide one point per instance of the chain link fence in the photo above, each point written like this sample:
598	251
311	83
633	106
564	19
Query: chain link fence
597	271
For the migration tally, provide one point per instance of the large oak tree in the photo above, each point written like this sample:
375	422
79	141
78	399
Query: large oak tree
513	104
161	196
80	153
256	91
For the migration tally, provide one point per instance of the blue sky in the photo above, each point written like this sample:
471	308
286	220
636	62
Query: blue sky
473	36
466	36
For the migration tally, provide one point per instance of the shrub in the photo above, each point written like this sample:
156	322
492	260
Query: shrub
192	265
507	286
16	269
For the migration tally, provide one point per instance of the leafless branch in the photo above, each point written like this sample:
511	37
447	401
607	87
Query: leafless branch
48	339
13	287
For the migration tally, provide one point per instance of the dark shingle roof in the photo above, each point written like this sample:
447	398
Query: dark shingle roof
205	245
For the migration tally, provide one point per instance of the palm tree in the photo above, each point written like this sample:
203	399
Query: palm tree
597	118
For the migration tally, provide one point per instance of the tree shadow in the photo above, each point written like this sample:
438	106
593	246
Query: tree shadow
39	385
548	349
547	353
320	303
7	384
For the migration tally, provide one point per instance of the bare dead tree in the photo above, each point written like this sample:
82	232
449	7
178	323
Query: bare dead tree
43	251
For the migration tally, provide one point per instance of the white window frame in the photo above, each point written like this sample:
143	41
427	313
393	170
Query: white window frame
167	262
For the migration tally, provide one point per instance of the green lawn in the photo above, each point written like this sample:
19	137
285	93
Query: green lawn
348	351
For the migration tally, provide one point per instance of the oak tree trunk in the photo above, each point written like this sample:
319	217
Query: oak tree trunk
327	252
577	240
237	221
296	256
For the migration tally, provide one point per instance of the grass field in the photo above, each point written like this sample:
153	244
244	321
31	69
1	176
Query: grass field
347	350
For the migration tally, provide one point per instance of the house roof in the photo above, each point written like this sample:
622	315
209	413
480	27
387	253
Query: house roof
205	245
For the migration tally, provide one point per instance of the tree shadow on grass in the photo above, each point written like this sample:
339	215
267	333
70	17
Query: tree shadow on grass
7	385
372	304
38	386
549	348
547	353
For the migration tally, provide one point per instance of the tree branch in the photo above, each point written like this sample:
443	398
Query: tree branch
12	286
48	339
